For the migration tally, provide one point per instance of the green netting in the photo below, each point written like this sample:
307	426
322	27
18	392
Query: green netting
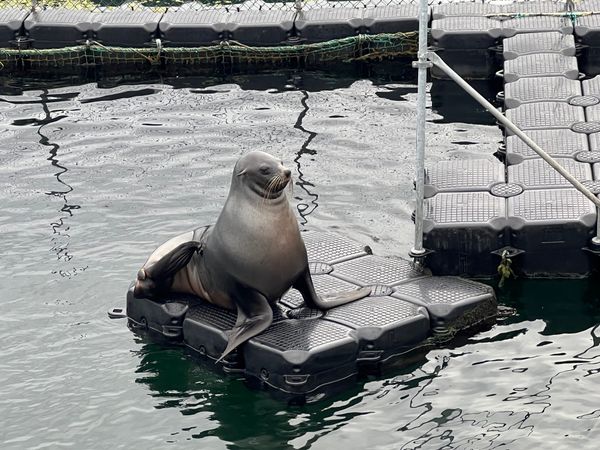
231	53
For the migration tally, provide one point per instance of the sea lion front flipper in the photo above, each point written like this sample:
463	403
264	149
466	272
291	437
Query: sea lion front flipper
305	286
156	279
254	316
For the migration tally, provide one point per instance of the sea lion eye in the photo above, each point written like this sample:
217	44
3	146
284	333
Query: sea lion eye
264	169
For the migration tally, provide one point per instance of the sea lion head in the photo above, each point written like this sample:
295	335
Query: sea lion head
262	173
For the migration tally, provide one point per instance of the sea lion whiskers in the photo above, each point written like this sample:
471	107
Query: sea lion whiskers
271	185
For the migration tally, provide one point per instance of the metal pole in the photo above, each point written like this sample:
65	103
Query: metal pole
422	65
512	127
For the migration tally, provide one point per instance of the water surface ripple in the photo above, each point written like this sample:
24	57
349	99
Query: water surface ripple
92	179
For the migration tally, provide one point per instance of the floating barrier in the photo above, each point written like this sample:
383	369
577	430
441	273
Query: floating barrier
308	352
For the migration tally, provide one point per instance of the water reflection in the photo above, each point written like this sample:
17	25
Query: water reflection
60	227
305	206
244	418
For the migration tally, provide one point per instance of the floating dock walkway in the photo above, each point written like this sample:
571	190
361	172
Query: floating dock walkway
306	352
478	210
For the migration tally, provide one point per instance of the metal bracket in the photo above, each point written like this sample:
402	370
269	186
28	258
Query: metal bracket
511	252
422	64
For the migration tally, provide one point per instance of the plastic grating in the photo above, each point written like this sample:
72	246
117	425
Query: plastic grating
584	100
141	18
441	290
565	143
303	335
506	190
318	25
541	64
551	206
591	86
331	248
586	127
219	318
324	284
537	173
373	312
58	27
532	43
464	9
465	32
536	25
391	19
545	115
593	186
588	157
373	270
60	16
12	18
466	208
261	27
463	175
535	89
192	28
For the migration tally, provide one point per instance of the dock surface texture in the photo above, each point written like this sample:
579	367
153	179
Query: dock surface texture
476	210
305	350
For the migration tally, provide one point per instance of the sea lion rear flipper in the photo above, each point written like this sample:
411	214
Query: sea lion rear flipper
305	286
156	279
254	316
173	261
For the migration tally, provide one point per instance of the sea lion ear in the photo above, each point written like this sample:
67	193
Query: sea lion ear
241	172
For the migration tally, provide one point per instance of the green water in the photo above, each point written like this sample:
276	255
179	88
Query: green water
93	178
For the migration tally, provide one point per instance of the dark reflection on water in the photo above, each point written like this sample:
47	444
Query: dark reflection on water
304	208
84	159
60	227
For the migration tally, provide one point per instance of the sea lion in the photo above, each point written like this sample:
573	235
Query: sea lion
248	259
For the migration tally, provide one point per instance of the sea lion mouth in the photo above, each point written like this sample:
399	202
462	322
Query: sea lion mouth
277	184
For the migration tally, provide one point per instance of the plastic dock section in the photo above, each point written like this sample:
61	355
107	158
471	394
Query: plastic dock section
274	25
477	210
305	352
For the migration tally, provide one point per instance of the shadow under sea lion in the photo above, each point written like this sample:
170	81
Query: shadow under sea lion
247	260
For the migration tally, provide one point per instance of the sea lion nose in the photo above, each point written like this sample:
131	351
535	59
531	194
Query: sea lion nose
287	173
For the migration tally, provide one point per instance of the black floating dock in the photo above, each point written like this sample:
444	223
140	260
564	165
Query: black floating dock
478	210
190	26
307	351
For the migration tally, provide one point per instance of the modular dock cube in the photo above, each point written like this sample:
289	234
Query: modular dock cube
58	27
537	89
184	28
260	28
11	20
558	143
463	229
319	25
552	227
469	304
126	28
164	317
